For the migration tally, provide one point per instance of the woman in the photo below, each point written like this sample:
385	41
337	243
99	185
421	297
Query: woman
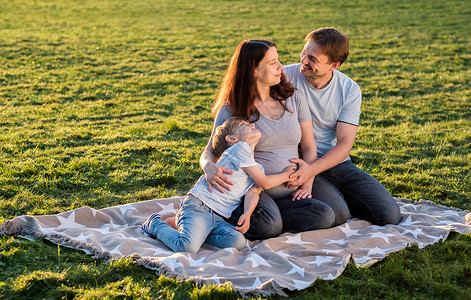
254	87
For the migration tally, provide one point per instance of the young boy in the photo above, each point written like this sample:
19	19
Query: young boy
200	217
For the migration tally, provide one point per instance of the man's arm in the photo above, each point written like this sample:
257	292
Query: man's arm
345	138
250	202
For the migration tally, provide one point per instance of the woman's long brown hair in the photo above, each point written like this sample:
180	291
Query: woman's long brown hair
238	88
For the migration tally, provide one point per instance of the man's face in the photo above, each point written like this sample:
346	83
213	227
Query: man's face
314	63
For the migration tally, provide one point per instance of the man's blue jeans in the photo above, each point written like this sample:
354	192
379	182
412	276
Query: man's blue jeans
351	192
343	191
273	217
197	224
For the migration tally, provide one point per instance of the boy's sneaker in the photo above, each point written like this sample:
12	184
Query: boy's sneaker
147	223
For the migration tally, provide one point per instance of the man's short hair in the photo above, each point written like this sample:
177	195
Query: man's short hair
333	43
227	128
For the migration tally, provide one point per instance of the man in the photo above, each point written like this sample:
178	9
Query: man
334	101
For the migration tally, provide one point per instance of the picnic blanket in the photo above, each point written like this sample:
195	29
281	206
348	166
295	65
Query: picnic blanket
289	261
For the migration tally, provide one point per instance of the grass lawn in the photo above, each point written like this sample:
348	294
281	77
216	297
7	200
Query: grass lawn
107	102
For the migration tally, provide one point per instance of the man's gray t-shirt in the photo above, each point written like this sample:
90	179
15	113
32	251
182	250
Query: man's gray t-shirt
339	101
279	138
234	158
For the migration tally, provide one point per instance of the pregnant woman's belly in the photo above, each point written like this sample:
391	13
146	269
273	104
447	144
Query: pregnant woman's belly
276	161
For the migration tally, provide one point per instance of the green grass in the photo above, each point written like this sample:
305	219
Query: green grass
107	102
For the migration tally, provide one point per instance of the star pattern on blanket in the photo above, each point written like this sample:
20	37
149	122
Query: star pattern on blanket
194	262
296	239
116	251
415	232
217	263
172	262
295	269
320	260
290	261
68	222
81	237
169	208
339	242
215	278
125	208
408	221
328	251
374	251
282	254
451	212
437	239
257	260
349	232
382	235
301	285
256	283
157	251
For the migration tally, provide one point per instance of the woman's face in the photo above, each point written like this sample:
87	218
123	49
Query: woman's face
268	71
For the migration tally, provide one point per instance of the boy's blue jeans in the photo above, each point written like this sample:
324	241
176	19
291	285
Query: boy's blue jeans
197	224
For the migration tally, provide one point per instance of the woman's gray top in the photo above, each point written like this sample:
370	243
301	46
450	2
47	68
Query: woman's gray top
280	138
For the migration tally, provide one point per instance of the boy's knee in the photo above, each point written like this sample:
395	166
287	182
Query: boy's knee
240	242
186	246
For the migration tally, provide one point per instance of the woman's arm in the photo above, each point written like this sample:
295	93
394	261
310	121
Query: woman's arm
214	174
309	152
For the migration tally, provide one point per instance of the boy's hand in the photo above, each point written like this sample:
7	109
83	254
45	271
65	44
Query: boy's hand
288	172
244	223
302	174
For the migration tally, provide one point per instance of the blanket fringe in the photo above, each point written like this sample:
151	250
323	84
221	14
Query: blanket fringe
19	228
162	269
429	202
11	227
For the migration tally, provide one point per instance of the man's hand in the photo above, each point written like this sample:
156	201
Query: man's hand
244	223
214	175
302	175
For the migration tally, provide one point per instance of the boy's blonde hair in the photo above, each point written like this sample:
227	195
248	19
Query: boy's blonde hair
227	128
